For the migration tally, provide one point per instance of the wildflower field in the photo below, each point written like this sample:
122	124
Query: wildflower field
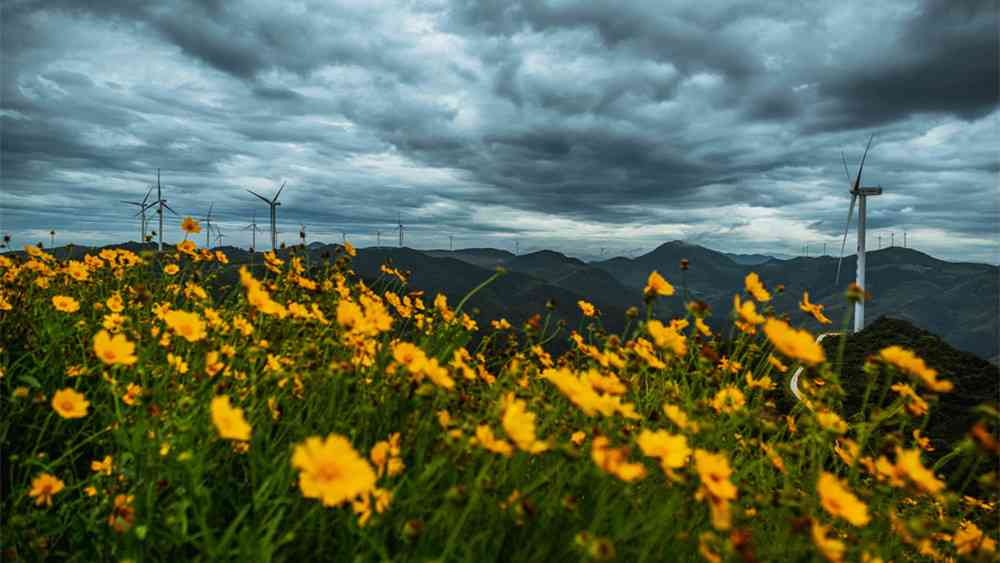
151	412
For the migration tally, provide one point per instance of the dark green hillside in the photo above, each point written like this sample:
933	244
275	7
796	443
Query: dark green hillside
976	380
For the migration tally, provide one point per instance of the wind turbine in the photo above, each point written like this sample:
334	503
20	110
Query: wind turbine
143	206
378	239
859	194
160	204
208	226
273	204
253	232
219	237
399	220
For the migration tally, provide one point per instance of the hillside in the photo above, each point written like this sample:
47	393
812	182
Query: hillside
976	380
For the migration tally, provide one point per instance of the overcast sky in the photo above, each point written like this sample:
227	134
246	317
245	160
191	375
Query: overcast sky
559	124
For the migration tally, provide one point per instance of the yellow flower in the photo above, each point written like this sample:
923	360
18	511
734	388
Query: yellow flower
485	438
831	548
764	383
831	421
728	400
65	304
578	437
44	487
115	303
185	324
614	461
103	466
188	247
795	344
519	423
714	471
671	449
581	393
969	538
667	337
814	309
838	500
115	349
177	363
70	404
748	316
586	308
909	465
776	364
656	285
331	470
755	287
915	404
908	362
171	269
132	394
190	226
229	420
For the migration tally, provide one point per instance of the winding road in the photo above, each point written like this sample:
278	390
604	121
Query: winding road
794	382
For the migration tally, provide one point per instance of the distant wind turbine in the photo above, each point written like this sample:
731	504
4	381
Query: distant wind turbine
253	233
143	206
399	221
208	226
160	205
273	203
859	194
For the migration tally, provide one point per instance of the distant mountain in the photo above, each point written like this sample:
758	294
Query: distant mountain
754	259
957	300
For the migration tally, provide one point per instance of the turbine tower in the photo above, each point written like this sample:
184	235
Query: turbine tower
253	233
160	204
208	226
861	195
143	206
273	203
399	221
378	239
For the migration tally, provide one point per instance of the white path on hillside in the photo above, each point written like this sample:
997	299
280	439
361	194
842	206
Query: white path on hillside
794	382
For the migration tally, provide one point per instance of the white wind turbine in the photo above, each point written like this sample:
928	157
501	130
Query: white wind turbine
160	204
399	220
208	226
273	203
859	194
143	206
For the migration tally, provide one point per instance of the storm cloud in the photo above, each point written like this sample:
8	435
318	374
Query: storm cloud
568	125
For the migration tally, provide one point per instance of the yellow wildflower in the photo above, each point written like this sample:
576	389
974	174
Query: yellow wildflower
671	449
45	486
114	350
814	309
728	400
908	362
331	470
795	344
519	423
65	304
755	287
188	325
839	501
229	420
70	404
656	285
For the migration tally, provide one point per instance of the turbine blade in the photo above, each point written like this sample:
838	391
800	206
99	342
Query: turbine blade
260	196
170	208
857	180
149	191
843	244
130	202
279	192
210	206
846	173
